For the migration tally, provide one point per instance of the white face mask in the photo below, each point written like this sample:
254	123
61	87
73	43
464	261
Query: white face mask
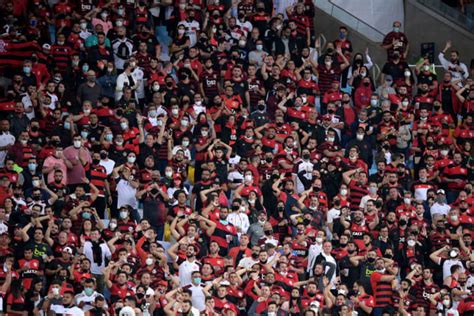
185	143
444	152
83	25
405	103
149	261
131	159
123	125
248	178
181	31
36	183
373	102
360	136
119	23
175	112
407	201
331	139
77	144
204	133
446	303
198	103
343	192
411	243
55	291
168	174
123	214
319	240
407	73
113	225
184	123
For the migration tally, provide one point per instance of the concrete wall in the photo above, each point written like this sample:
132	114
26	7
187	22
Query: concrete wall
424	25
421	26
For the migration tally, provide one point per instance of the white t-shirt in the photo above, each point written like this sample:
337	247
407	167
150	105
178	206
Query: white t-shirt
126	194
70	311
5	139
186	269
439	209
95	268
198	298
239	219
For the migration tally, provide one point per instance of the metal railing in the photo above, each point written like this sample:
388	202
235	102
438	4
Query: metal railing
350	20
450	13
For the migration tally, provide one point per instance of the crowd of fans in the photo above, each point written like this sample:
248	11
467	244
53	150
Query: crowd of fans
196	158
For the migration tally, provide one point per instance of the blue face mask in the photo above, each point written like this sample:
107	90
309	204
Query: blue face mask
26	70
32	167
396	29
88	291
86	215
342	35
85	68
67	125
197	280
84	134
109	137
224	222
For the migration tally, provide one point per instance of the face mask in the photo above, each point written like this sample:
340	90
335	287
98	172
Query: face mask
131	159
55	291
396	29
67	125
181	31
152	113
402	222
149	261
331	139
407	201
319	240
328	63
363	74
454	218
36	183
204	133
104	15
84	134
197	280
123	214
242	43
32	167
184	123
185	143
444	152
123	125
360	136
88	291
259	47
109	137
119	23
343	192
83	25
112	225
370	260
446	303
85	68
86	215
248	178
169	174
374	102
373	190
411	243
268	232
27	70
77	144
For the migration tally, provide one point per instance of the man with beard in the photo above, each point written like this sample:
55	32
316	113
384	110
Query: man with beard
381	281
455	176
187	267
357	227
224	233
457	69
204	184
97	252
423	286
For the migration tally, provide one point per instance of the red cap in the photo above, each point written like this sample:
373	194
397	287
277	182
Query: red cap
163	283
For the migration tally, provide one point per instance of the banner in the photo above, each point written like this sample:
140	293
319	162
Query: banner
12	54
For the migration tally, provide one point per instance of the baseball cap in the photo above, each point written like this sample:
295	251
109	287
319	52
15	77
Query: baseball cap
440	191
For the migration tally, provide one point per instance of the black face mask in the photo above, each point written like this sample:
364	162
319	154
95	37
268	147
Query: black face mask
306	156
235	208
254	255
103	156
402	222
370	260
268	232
351	251
95	161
